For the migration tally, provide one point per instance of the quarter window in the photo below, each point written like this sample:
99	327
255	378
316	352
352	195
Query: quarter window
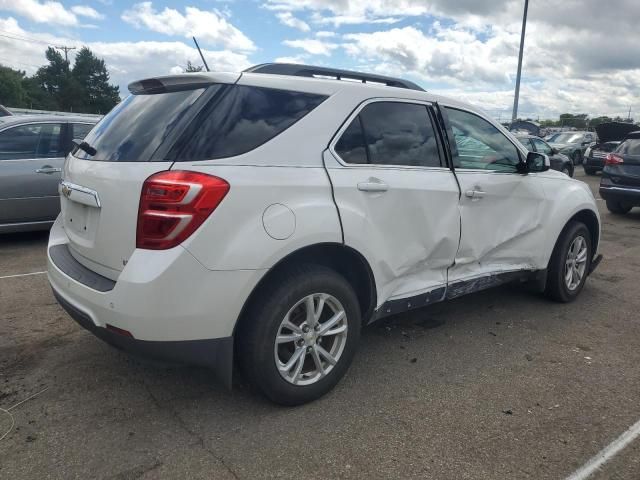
38	140
391	133
480	145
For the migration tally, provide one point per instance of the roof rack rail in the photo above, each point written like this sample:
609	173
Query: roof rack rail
312	71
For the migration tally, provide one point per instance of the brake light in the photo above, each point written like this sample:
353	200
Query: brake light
613	159
173	204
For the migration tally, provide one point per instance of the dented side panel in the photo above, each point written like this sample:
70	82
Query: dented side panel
409	233
504	228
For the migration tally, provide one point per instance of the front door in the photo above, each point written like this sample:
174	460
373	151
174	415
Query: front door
502	211
397	198
31	159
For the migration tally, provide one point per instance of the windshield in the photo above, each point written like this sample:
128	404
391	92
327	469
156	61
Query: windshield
567	138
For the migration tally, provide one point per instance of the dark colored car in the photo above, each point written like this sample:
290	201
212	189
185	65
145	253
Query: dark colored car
620	182
559	161
573	144
610	135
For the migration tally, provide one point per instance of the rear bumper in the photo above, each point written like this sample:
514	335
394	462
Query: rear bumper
594	163
215	353
174	308
629	195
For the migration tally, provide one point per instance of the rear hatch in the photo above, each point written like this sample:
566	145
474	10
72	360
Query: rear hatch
103	178
627	172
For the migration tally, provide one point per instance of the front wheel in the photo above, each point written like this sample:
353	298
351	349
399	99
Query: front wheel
300	335
568	170
570	263
618	208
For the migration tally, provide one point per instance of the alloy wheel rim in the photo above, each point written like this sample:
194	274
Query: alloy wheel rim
575	263
311	339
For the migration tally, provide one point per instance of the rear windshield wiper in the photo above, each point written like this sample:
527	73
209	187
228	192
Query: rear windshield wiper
82	145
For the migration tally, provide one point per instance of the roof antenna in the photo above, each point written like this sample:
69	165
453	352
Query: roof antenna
201	56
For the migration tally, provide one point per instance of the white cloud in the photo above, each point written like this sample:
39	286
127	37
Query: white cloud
287	18
325	34
126	61
87	11
207	26
312	46
40	12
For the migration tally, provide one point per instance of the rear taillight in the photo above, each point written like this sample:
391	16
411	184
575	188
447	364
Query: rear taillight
174	204
613	159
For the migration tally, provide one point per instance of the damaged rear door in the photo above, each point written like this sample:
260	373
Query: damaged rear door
397	198
502	211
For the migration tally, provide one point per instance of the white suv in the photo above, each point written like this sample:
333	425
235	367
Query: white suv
268	215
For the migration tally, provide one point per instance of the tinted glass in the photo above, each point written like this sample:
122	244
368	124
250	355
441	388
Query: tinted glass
80	130
541	146
240	118
631	146
351	147
399	134
136	127
40	140
480	145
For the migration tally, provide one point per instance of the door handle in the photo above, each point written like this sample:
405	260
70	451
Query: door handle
373	186
48	170
474	194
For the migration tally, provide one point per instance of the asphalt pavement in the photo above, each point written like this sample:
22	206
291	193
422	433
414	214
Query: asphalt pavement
501	384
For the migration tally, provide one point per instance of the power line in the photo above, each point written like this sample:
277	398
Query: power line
24	39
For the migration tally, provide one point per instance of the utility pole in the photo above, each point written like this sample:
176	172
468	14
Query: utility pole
66	52
514	117
201	56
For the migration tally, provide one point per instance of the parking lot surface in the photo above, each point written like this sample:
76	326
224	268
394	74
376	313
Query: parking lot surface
501	384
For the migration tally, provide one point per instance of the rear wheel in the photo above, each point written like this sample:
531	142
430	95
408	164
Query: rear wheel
300	335
570	263
618	208
590	171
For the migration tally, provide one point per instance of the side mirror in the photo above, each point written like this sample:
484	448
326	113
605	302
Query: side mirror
537	162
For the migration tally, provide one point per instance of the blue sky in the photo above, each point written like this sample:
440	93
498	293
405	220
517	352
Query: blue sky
464	48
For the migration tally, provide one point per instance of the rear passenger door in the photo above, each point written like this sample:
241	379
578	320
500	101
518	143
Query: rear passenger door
31	158
397	198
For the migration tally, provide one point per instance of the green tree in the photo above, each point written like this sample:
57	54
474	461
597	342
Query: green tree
12	92
90	85
52	77
578	120
193	68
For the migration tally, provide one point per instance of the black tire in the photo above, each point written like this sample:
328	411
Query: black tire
556	287
567	170
618	208
590	171
256	335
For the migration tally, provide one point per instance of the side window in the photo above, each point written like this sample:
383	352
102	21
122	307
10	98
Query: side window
80	130
40	140
240	118
399	134
481	145
541	146
351	147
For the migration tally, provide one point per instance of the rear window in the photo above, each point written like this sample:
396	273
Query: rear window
136	127
198	124
630	146
239	119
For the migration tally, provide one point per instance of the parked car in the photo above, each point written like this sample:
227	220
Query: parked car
4	111
573	144
609	137
267	216
559	162
620	182
32	151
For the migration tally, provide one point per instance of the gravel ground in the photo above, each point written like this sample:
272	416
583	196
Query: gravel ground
498	385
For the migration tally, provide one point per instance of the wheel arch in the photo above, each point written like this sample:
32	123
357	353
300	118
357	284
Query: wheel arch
589	218
343	259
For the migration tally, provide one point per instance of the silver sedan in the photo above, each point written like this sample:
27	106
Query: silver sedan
32	152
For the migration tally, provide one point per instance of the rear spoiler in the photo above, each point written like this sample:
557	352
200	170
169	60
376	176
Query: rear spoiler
176	83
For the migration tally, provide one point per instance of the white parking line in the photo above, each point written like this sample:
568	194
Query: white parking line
22	275
607	453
